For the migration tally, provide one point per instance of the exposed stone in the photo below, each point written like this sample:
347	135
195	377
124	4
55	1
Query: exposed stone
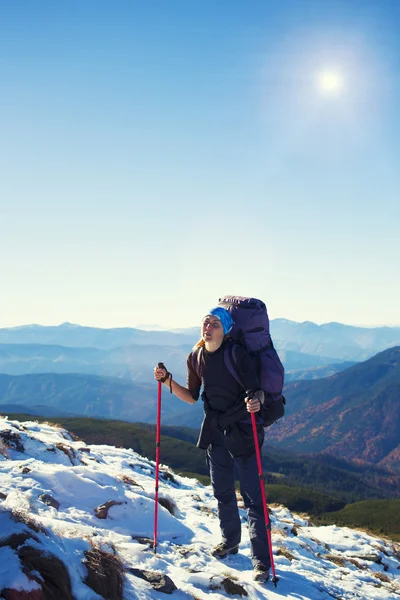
12	440
101	511
26	470
16	540
376	558
207	510
143	540
9	594
233	588
168	476
158	581
50	501
169	505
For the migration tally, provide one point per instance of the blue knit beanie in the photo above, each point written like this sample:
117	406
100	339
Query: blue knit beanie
224	316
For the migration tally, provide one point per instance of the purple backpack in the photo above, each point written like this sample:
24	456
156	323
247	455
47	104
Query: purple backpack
251	331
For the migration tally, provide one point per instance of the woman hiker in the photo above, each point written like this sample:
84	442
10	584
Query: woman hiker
226	434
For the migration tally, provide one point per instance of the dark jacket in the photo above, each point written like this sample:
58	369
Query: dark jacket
223	398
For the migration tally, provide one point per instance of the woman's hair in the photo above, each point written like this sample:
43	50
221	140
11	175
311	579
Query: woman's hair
201	343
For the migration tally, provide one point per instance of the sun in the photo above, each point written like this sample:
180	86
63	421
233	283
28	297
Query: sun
330	82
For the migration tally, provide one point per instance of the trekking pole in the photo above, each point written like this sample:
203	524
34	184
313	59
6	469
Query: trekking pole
158	427
275	579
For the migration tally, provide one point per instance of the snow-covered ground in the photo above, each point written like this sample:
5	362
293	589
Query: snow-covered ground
57	500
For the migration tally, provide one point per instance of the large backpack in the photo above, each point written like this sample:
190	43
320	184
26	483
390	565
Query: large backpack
251	331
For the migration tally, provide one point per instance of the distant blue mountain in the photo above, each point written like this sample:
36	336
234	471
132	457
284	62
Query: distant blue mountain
334	341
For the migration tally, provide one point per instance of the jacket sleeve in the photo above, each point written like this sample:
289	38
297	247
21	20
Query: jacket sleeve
193	381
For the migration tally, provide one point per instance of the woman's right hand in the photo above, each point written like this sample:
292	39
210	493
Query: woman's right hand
160	373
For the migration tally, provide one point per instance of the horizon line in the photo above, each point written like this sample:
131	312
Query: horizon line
159	328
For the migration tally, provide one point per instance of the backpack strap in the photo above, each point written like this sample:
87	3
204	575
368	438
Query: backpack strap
231	361
196	361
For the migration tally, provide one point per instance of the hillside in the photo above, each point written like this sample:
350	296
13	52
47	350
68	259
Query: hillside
345	482
77	524
85	395
354	414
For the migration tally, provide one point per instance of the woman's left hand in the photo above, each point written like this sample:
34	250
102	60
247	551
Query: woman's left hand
253	404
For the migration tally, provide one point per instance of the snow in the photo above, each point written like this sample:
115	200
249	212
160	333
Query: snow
311	562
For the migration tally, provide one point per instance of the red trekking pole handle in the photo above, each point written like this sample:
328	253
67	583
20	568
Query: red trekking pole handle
275	579
158	428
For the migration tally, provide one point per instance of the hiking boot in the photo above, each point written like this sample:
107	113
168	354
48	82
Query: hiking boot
222	550
261	573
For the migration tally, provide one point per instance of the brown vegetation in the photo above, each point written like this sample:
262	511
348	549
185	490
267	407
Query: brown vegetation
105	574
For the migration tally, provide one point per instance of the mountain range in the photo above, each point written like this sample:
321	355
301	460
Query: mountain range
335	341
135	362
346	408
354	414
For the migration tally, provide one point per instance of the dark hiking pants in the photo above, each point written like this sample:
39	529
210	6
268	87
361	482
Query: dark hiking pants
222	473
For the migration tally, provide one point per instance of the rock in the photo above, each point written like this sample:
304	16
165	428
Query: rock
12	440
101	511
233	588
16	540
376	558
168	504
143	540
158	581
50	501
9	594
168	476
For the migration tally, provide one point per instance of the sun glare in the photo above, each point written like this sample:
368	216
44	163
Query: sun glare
330	82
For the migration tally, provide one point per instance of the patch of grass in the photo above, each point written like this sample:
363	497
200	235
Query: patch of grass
381	517
302	499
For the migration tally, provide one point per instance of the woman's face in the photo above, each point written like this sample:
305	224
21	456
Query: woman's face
211	329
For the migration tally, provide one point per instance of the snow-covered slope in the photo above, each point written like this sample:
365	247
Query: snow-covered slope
75	520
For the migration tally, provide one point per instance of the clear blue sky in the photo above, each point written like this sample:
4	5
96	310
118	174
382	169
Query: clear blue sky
156	155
